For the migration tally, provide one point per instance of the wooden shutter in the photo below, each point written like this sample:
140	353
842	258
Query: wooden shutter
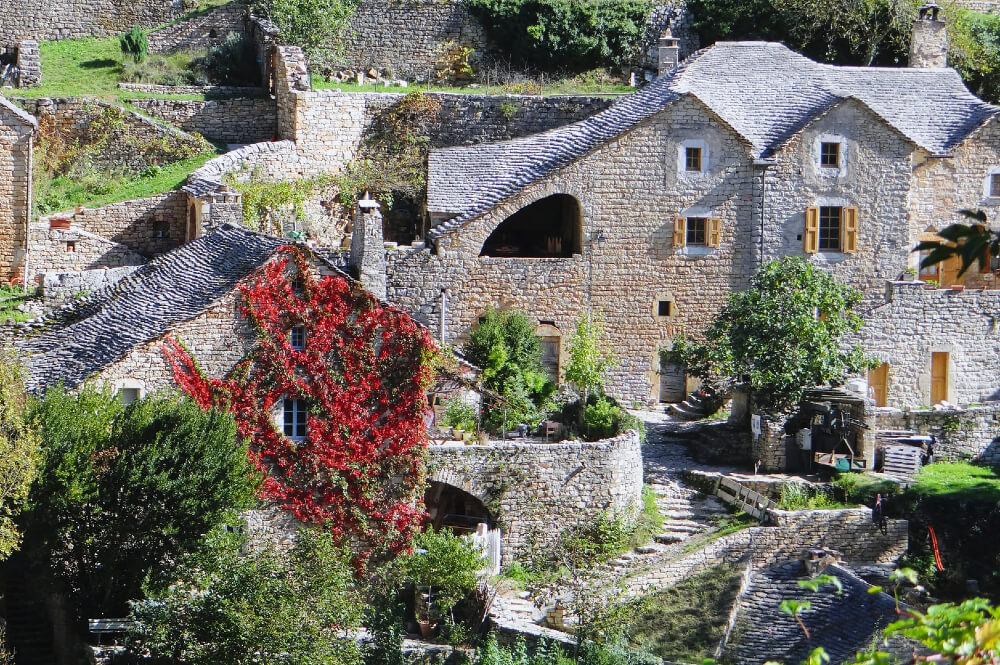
849	229
680	231
811	235
949	271
714	232
984	261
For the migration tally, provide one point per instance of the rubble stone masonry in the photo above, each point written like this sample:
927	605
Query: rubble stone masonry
44	20
15	177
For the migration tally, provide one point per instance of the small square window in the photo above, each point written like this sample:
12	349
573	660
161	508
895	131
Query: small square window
995	185
298	284
295	416
70	245
161	230
297	337
829	155
829	228
696	230
692	159
665	308
128	395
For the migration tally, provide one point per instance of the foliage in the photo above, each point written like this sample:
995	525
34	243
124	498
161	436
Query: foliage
504	345
958	481
685	622
650	521
545	653
134	44
447	564
564	33
601	539
362	374
243	603
268	205
970	242
459	413
781	335
19	450
602	419
974	50
861	489
316	25
11	299
799	496
123	491
231	62
588	360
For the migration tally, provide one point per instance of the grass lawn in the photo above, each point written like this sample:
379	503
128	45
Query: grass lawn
959	480
10	298
64	193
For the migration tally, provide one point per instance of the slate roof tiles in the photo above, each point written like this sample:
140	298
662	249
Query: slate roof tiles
763	90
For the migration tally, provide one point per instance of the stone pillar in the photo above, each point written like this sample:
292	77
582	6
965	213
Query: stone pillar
929	39
368	248
29	65
668	53
771	447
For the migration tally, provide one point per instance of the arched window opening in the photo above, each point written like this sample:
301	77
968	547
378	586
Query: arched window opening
548	228
448	506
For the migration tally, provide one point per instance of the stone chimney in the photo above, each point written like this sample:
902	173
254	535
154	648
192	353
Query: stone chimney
368	248
929	40
668	52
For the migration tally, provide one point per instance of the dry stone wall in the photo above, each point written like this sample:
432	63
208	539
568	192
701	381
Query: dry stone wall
537	490
201	32
62	286
238	120
148	226
73	250
15	183
917	321
44	20
961	434
29	64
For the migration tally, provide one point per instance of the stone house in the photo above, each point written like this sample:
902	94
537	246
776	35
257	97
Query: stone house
654	210
17	132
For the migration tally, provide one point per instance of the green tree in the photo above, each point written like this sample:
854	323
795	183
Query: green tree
780	336
123	491
19	450
504	345
974	50
317	26
448	565
251	603
589	361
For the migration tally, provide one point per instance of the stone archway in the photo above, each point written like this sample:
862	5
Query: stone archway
452	507
550	227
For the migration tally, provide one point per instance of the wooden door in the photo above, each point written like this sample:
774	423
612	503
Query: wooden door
878	384
673	383
939	377
550	357
949	271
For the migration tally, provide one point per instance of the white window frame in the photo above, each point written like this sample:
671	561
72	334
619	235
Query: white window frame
682	171
843	152
131	384
988	186
297	345
299	410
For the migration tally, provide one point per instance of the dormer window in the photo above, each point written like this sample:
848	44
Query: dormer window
829	155
295	415
297	338
692	159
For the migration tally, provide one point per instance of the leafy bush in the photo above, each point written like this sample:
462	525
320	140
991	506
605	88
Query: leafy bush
232	62
602	419
589	361
505	346
566	33
19	450
860	489
447	564
799	496
134	44
605	537
122	492
545	653
459	413
237	604
315	25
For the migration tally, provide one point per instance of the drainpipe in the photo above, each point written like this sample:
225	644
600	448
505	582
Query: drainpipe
763	164
444	313
27	209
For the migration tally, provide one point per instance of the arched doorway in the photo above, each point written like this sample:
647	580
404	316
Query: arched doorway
449	506
548	228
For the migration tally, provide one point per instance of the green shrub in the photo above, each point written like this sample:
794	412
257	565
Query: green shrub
601	420
602	539
448	564
230	63
134	44
799	496
568	34
459	413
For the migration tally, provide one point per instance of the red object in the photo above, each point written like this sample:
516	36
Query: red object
59	222
937	553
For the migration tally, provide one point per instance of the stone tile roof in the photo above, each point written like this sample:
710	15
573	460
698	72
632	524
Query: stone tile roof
18	112
172	288
763	90
843	624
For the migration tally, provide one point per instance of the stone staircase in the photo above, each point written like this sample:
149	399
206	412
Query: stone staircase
699	404
686	512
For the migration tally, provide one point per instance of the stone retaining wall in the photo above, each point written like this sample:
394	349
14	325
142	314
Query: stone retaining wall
65	285
201	32
972	433
219	90
29	64
537	490
149	226
44	20
73	250
238	120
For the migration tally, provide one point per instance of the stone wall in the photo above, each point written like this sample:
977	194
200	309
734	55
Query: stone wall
29	64
16	136
917	321
73	250
44	20
537	490
78	118
200	32
61	286
148	226
239	120
972	433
